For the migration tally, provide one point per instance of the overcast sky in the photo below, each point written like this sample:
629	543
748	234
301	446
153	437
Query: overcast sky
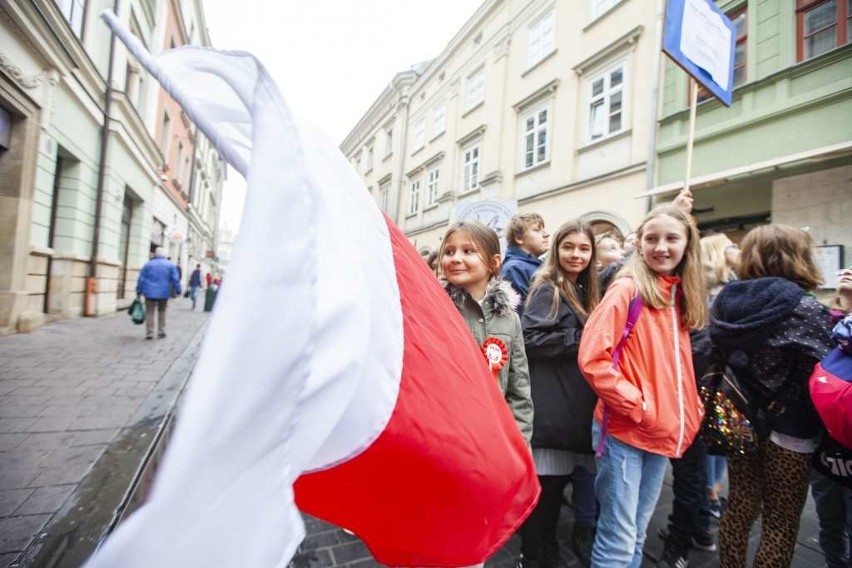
332	58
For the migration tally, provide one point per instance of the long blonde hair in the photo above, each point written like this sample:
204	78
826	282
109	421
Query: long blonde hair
551	272
693	299
714	261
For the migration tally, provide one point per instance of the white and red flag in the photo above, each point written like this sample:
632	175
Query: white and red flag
333	361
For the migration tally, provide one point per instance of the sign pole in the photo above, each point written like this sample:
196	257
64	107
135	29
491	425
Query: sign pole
693	103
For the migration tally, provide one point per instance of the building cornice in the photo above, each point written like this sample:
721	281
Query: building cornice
609	51
393	95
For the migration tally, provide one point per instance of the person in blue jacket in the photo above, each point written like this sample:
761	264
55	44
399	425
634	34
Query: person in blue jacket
157	280
527	241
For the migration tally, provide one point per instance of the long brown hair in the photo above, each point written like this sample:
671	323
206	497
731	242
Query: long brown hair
693	299
551	272
486	240
779	250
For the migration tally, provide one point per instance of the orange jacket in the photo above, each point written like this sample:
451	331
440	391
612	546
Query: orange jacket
652	396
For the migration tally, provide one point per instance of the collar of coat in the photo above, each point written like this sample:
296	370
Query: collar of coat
499	296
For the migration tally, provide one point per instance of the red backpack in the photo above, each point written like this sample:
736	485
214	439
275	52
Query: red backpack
831	393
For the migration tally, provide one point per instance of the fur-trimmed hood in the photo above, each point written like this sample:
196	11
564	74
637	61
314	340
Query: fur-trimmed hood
499	296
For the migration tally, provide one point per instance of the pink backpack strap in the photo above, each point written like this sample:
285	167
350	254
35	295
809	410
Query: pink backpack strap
633	312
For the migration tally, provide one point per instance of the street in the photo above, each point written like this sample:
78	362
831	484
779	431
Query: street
82	403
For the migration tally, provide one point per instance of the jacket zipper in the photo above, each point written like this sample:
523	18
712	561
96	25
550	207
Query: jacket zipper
678	367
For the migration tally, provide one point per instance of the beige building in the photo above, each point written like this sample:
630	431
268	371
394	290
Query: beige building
81	174
540	102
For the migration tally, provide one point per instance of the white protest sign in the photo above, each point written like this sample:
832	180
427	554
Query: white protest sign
706	41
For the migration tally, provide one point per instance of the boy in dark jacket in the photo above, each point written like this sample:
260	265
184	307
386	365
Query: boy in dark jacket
527	241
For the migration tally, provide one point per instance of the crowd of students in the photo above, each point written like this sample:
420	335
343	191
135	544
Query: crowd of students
602	340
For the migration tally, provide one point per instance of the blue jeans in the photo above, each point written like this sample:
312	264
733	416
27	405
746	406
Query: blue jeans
834	509
193	295
628	485
716	467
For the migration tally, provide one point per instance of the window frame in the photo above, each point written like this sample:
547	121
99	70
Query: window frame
384	195
388	142
605	73
439	127
475	88
76	18
535	34
475	163
534	113
413	197
432	187
841	23
418	135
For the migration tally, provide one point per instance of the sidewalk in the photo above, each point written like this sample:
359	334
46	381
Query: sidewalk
80	402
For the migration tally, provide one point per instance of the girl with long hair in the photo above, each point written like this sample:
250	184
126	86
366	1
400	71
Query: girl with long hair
563	294
648	408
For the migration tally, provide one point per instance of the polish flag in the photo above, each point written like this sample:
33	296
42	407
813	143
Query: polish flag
333	361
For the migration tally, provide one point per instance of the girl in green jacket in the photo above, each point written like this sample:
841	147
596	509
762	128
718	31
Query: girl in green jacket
470	264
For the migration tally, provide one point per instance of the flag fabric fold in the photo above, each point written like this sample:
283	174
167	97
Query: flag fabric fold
333	355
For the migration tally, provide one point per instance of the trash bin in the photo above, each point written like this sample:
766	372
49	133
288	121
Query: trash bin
210	297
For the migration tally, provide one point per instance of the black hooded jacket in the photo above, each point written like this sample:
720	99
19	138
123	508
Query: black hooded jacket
772	335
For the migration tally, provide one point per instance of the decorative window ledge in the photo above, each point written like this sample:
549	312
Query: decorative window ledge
607	53
601	141
473	108
531	169
537	95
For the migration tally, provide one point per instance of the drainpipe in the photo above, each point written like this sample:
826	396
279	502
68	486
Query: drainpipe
651	165
92	280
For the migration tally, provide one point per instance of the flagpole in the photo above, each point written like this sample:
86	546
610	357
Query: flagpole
690	141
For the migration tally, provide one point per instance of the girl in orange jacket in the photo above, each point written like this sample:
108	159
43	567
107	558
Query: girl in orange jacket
648	408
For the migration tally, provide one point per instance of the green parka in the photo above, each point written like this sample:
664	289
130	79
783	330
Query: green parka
496	317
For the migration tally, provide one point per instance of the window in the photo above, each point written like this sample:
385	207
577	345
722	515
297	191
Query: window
606	103
540	40
822	25
432	187
179	173
384	190
739	18
439	124
470	173
419	136
370	156
534	138
414	197
165	134
599	7
388	141
73	10
476	88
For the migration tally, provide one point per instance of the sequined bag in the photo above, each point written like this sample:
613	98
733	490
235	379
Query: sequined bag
729	411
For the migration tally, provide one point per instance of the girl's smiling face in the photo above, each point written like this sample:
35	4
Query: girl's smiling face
664	241
463	264
575	254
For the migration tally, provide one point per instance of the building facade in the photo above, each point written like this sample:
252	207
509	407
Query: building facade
783	151
536	102
80	167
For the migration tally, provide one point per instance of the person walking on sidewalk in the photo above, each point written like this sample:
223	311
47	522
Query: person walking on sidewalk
157	280
194	284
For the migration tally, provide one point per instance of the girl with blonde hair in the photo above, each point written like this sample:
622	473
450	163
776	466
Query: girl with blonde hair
648	408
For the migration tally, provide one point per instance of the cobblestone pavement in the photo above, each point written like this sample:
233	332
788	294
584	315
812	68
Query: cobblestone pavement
69	392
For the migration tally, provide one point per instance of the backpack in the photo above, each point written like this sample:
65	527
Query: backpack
731	413
831	386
